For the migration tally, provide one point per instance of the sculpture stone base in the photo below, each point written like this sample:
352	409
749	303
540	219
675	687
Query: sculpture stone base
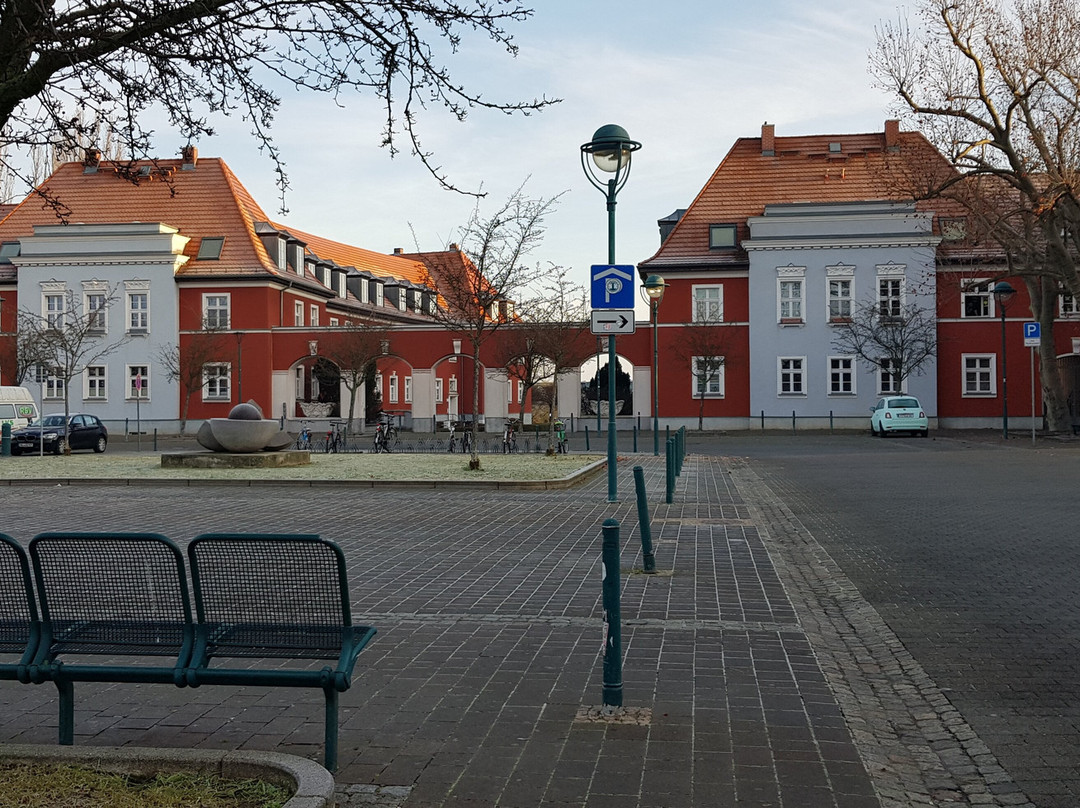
228	460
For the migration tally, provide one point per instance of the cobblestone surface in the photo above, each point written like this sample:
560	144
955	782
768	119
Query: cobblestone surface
756	673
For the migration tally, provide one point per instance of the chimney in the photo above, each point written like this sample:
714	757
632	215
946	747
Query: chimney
399	251
91	160
892	135
768	145
454	247
190	156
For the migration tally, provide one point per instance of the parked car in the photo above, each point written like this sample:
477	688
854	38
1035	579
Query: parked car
898	414
84	432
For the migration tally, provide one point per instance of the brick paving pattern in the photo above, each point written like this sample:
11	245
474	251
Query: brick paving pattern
754	672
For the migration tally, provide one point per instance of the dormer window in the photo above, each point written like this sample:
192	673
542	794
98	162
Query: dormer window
377	293
721	236
210	248
9	250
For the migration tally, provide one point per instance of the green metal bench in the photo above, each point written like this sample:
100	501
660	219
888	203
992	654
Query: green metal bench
123	597
19	624
275	597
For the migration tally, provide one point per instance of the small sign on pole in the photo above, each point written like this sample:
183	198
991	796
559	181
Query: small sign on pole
1032	335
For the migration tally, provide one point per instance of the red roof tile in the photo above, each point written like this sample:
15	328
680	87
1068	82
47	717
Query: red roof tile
800	169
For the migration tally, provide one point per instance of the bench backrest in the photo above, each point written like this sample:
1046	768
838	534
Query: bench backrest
117	594
270	595
18	611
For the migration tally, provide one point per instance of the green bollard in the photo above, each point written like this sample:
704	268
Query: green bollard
612	616
635	438
648	560
5	440
586	437
669	457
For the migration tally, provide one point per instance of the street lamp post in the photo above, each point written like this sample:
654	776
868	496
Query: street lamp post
610	150
654	287
1003	293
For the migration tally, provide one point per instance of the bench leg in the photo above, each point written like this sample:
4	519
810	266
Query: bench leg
331	725
67	712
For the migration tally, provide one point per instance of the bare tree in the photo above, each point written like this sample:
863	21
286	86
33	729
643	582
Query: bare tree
478	286
354	348
186	365
68	70
995	85
67	340
902	344
559	322
703	349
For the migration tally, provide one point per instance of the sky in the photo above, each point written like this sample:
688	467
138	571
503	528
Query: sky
685	78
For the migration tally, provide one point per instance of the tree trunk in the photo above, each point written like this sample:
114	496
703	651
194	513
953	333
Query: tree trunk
184	412
1043	295
474	458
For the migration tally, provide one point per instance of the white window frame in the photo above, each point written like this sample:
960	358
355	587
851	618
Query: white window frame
408	389
54	388
438	389
298	313
791	371
393	388
217	382
985	368
887	383
716	386
313	315
380	294
791	295
977	290
520	391
138	316
891	290
211	304
298	383
96	306
1068	306
334	322
838	306
841	368
54	309
143	394
95	379
708	307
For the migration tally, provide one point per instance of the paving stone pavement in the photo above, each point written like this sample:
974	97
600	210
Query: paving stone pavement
754	672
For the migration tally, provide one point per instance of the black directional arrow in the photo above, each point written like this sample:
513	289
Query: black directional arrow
622	321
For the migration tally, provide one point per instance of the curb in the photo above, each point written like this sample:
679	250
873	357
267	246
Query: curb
563	483
312	785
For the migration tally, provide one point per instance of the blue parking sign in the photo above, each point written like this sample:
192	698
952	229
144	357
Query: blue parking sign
612	286
1032	335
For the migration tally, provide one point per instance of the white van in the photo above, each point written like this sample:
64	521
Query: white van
17	407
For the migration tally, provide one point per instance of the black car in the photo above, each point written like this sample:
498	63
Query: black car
84	432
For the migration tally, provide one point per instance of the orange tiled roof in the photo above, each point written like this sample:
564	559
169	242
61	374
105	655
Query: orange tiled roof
800	169
207	201
381	264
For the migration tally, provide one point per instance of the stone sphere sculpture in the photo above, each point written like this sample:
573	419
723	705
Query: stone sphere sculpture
244	431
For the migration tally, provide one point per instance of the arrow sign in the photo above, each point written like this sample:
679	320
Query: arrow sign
613	321
612	286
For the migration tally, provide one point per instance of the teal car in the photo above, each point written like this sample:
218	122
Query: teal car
898	414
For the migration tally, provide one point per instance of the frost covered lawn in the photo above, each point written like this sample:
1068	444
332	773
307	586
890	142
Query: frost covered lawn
391	467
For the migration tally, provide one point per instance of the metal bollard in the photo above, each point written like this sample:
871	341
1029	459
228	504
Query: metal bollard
612	616
635	437
586	437
669	457
155	438
648	560
5	440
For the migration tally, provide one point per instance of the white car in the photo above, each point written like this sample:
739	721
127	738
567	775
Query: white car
898	414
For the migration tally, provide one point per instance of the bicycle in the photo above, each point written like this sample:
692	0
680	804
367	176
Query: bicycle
303	440
335	438
386	434
509	440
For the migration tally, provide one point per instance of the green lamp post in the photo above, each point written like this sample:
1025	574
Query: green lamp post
608	169
1003	293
